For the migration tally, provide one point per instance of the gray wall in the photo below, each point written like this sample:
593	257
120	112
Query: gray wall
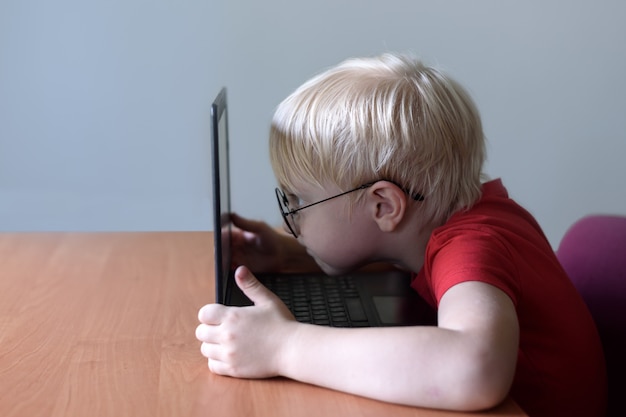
104	113
104	109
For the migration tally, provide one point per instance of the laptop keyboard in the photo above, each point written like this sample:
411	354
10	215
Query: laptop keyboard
327	301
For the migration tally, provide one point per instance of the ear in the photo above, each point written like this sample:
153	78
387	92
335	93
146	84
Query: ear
387	204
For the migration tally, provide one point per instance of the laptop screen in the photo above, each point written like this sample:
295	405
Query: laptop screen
221	194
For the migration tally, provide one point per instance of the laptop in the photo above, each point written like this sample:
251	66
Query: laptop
359	299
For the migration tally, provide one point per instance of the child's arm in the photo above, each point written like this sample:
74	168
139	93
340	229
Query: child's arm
466	363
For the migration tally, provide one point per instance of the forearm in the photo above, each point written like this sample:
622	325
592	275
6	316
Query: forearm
421	366
467	363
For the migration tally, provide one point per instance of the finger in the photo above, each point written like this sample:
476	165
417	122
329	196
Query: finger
212	314
247	224
251	287
211	351
219	367
208	333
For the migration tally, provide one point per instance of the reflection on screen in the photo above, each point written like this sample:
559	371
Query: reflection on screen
224	198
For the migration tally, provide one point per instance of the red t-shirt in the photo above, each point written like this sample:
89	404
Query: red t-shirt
560	365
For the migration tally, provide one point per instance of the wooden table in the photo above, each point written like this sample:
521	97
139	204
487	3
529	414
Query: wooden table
102	324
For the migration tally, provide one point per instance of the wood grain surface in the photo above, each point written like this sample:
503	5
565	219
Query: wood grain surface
102	324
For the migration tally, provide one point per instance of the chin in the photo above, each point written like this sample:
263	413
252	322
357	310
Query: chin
333	270
328	270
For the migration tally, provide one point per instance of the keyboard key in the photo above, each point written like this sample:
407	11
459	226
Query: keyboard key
321	300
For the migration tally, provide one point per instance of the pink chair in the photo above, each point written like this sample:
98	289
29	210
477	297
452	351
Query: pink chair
593	252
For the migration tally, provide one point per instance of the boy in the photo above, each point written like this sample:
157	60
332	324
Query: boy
380	160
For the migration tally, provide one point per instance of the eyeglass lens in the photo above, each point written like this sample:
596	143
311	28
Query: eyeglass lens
283	204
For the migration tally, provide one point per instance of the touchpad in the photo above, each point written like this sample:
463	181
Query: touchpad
390	309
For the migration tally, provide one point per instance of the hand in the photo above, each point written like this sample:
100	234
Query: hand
246	342
256	245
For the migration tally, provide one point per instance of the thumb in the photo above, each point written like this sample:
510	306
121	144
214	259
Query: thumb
251	287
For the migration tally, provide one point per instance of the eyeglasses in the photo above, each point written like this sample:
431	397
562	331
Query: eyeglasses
288	213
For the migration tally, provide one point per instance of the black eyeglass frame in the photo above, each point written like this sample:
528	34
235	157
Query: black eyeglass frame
283	202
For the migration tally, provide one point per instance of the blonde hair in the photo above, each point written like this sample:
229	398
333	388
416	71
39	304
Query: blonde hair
388	117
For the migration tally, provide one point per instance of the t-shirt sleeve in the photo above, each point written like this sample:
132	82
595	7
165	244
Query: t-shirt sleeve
477	255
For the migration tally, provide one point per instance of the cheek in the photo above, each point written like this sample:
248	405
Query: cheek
322	243
337	249
329	254
336	238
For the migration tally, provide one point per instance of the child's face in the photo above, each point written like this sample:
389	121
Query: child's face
337	236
